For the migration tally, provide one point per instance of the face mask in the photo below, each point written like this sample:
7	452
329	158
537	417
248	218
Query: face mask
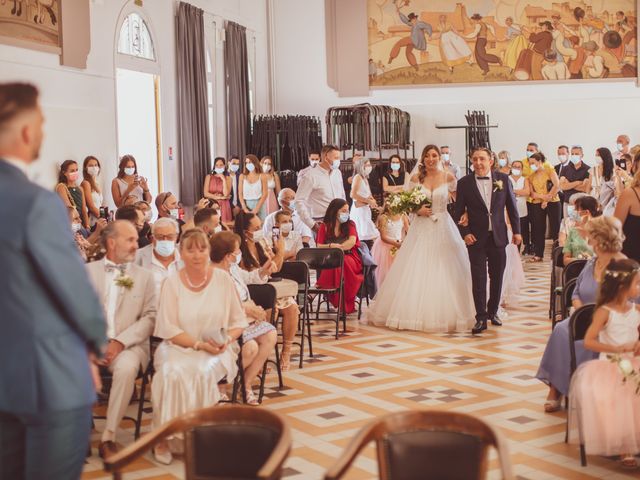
234	168
93	171
368	170
250	167
562	159
502	162
147	216
336	164
570	210
173	213
218	229
76	227
314	163
73	177
445	157
266	168
395	167
575	216
529	154
257	235
534	168
516	172
219	170
619	146
238	258
286	227
343	217
598	160
165	248
129	171
575	159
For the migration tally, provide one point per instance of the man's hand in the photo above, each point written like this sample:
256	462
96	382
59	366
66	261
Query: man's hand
470	239
202	203
464	220
517	239
95	372
113	350
101	223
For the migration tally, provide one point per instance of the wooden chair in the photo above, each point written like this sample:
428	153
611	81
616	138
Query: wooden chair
327	259
579	323
221	442
556	256
427	445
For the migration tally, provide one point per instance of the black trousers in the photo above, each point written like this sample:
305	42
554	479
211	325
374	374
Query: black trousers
539	217
45	446
524	231
487	257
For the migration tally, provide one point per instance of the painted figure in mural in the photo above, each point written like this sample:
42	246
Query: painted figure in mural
417	39
542	42
453	48
480	34
517	43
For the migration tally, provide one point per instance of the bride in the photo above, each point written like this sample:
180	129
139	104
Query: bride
428	287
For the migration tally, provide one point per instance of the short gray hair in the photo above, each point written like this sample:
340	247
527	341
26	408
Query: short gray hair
111	231
358	166
283	191
165	222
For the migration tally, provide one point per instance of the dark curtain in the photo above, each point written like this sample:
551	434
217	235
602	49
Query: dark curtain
193	119
237	79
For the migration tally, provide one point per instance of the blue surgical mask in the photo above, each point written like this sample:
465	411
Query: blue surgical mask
562	159
529	154
445	157
233	168
336	164
219	170
516	172
619	146
570	210
502	162
343	217
257	235
575	159
238	258
165	248
575	216
250	167
395	167
534	168
174	213
129	171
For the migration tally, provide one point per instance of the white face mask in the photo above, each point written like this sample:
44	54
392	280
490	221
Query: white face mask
619	146
502	162
368	170
174	213
129	171
147	216
165	248
233	168
445	157
336	164
93	171
516	172
266	168
250	167
563	159
314	163
534	168
219	170
257	235
238	258
395	167
598	160
218	229
286	227
76	227
343	217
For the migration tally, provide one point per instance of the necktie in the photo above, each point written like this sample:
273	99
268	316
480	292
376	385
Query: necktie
112	267
482	178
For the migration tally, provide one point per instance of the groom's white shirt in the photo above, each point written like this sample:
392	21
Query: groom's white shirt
485	188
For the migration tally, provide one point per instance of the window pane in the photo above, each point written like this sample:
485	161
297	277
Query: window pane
212	140
134	38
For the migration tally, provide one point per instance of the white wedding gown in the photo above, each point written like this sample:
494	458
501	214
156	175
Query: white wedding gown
428	287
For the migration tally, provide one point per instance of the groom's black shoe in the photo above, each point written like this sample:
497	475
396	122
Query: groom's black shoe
479	327
495	320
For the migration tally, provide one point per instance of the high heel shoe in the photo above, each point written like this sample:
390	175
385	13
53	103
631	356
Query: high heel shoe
251	398
163	455
285	356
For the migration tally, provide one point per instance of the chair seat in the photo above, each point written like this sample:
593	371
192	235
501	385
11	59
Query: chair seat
324	290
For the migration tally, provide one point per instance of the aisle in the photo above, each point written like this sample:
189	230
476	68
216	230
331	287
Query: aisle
373	371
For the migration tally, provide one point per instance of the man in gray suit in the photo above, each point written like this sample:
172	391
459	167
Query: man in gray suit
128	295
51	319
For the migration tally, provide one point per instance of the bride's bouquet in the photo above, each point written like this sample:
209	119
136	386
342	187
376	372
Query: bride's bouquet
409	201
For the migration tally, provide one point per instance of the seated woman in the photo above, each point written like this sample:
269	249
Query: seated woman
575	246
88	243
605	237
337	231
257	253
568	222
196	304
260	336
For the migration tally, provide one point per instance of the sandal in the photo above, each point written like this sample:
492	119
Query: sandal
629	461
251	398
285	356
534	260
552	406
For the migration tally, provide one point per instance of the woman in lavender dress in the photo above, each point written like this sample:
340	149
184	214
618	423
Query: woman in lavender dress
606	238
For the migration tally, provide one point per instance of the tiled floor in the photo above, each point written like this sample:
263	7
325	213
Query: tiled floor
373	371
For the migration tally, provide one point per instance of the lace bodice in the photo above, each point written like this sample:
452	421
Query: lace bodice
394	228
439	196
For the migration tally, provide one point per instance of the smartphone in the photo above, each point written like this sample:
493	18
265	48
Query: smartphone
275	231
104	213
622	163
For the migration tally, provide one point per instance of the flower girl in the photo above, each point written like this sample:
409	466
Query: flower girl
603	393
393	229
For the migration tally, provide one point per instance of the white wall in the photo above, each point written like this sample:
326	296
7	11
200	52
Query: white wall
591	114
79	105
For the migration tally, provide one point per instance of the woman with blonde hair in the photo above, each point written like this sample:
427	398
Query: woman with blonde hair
273	184
363	200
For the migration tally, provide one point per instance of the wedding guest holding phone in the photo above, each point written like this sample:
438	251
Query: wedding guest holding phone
128	182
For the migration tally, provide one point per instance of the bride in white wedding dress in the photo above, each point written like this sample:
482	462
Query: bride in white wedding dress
428	287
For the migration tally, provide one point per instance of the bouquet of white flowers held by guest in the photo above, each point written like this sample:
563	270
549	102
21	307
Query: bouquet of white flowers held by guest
409	202
629	374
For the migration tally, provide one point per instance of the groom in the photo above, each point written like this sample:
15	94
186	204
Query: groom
484	195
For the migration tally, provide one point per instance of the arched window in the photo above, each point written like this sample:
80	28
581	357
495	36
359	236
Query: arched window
134	38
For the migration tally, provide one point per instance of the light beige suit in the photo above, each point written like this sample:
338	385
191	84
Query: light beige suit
134	320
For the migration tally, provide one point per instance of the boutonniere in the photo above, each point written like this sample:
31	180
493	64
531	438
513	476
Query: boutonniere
498	186
124	281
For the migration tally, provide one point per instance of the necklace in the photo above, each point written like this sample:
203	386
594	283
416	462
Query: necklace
200	285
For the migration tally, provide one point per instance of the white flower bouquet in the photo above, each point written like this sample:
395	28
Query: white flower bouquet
629	374
408	202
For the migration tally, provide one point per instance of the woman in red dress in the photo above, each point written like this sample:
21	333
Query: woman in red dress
337	231
217	186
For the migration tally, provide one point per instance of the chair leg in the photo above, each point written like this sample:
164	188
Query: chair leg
278	368
143	389
263	378
583	455
309	338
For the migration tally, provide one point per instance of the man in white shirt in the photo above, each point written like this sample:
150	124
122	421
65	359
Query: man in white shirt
128	297
319	187
161	258
445	154
314	161
286	198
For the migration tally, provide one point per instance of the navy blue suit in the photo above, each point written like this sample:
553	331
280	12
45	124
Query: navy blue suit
489	249
50	317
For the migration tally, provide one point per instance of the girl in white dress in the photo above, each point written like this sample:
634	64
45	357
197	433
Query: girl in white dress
393	229
363	201
428	287
196	303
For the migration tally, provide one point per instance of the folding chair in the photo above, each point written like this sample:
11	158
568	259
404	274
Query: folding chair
299	273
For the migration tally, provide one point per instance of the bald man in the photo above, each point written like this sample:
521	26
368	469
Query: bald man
286	199
128	296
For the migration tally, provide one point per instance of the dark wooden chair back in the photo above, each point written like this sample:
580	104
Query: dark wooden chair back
425	445
579	323
567	293
321	258
220	443
572	270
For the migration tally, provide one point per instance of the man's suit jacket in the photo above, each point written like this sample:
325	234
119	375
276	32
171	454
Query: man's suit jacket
135	314
468	198
50	316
